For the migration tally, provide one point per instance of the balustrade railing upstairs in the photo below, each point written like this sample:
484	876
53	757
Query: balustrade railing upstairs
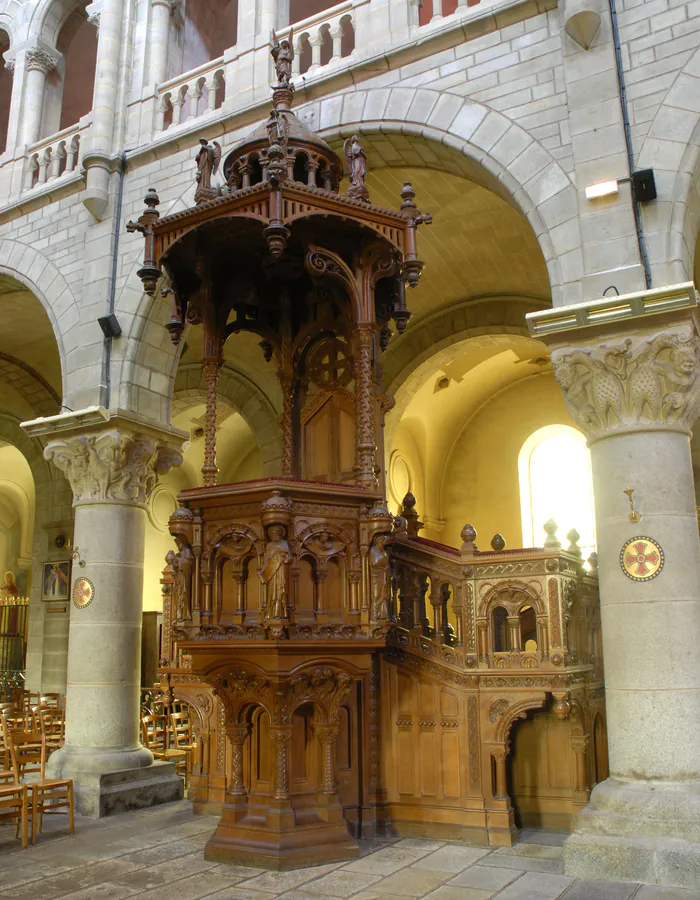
325	38
448	598
55	157
192	95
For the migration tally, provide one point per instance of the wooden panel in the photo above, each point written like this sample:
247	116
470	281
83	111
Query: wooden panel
404	691
405	762
318	463
344	740
428	786
346	442
449	704
451	786
559	752
427	700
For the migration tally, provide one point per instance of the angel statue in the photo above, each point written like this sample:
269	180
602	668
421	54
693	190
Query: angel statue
273	573
207	160
357	168
283	55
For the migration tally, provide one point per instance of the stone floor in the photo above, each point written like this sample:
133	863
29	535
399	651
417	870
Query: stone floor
156	854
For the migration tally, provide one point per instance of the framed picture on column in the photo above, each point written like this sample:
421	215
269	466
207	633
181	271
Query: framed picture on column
55	583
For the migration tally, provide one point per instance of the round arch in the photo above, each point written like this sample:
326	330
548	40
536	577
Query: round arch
672	148
52	291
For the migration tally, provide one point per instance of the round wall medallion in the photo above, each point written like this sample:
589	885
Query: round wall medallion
641	558
83	592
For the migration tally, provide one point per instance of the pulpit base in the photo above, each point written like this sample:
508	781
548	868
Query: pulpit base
308	845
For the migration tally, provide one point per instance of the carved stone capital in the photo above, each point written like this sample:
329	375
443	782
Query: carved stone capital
39	59
640	382
113	465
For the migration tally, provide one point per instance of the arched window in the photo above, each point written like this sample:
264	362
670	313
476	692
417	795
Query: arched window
77	42
554	467
5	91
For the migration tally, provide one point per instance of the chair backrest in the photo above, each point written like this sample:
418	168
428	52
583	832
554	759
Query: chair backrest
52	722
153	732
181	726
12	718
28	752
51	699
8	769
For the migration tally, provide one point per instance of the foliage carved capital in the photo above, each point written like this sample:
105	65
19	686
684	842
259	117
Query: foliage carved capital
640	383
113	466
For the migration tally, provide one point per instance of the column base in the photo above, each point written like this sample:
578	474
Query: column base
638	831
112	782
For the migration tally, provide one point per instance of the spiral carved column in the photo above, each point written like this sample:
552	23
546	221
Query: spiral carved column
366	446
210	470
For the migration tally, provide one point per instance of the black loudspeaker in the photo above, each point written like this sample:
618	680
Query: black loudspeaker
110	326
643	185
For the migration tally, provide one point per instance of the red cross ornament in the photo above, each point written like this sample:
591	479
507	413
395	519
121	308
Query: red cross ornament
642	558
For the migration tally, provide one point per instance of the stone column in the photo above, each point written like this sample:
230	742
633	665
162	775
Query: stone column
38	65
632	386
160	33
97	157
112	467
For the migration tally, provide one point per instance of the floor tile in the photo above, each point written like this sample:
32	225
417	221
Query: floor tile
451	858
411	882
384	862
279	882
419	844
536	851
536	886
485	878
454	892
240	893
341	883
583	889
554	838
169	870
525	863
192	888
655	892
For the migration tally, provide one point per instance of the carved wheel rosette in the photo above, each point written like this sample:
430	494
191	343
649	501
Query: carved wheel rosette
642	382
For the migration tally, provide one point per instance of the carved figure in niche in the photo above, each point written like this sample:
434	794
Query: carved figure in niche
183	568
283	55
207	160
324	546
277	127
107	465
357	168
380	579
273	573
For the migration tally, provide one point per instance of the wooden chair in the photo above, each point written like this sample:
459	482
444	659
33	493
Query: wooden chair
12	718
54	700
47	796
154	736
181	730
52	724
14	797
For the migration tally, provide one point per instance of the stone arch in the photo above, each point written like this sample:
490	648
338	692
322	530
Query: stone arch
672	148
48	17
245	397
31	450
8	20
505	157
44	280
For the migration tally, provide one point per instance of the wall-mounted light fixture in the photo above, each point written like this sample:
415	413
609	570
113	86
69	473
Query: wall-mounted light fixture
602	189
643	187
110	326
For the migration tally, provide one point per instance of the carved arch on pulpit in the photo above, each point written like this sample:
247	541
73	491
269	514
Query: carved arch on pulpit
517	711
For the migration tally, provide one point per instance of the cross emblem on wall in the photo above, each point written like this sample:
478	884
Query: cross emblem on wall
641	558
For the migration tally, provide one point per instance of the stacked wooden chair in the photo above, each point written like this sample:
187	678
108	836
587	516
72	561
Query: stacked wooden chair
48	796
165	745
14	797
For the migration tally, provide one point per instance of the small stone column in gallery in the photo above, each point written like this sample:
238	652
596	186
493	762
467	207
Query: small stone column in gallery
38	63
630	370
112	464
161	13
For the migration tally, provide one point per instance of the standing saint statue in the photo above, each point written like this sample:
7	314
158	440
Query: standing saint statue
183	569
207	160
357	169
380	580
283	55
273	573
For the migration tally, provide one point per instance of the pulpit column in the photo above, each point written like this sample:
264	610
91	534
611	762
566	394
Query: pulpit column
632	386
112	466
366	446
